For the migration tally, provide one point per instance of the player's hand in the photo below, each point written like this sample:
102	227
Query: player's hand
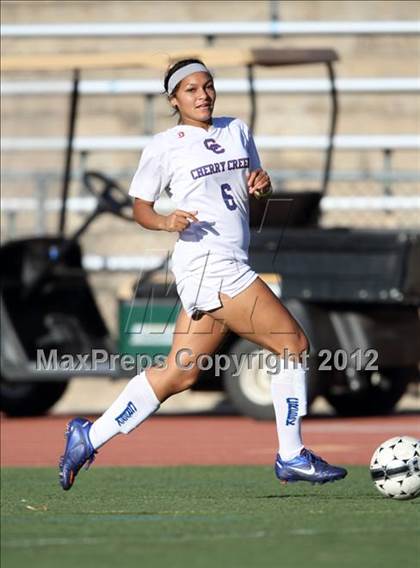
259	183
180	220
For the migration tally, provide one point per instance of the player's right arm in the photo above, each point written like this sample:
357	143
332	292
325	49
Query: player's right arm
146	216
151	178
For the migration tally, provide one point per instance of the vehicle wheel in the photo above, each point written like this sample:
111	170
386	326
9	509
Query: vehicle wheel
249	391
29	399
369	393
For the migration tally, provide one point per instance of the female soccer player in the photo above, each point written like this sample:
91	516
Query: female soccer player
211	169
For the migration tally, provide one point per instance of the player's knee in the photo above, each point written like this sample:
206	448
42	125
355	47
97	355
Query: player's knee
184	380
296	344
302	342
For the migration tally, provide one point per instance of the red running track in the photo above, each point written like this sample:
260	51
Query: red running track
203	440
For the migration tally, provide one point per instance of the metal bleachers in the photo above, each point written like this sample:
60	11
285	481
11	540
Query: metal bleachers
151	88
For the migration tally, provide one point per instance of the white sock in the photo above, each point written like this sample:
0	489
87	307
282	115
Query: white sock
288	388
136	403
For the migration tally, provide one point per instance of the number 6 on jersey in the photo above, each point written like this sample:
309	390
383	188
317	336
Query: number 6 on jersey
227	198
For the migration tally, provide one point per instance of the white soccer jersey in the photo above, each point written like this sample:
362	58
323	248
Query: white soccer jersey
205	171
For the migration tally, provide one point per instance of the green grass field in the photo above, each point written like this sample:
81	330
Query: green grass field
202	517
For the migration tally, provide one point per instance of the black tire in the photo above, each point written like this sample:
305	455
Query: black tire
370	393
249	391
29	399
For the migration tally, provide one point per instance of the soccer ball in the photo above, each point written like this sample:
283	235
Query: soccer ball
395	468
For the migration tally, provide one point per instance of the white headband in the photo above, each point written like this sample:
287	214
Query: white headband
184	72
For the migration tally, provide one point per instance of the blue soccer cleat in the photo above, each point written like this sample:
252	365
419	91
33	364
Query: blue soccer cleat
78	452
307	467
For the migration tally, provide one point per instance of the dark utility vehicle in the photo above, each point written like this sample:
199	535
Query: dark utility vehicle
355	292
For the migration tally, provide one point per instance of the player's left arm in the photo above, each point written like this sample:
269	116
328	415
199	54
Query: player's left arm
259	183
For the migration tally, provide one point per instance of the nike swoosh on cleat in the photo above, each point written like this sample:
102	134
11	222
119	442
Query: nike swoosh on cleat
309	471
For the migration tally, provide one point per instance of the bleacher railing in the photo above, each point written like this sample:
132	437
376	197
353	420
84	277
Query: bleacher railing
272	28
136	143
385	85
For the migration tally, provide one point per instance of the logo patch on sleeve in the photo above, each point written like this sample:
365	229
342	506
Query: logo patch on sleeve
292	411
126	414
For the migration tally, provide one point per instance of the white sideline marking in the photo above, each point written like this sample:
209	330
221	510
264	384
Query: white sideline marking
28	543
39	542
346	530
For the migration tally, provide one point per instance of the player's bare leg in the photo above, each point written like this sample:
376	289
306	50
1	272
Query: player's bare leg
258	315
191	338
142	396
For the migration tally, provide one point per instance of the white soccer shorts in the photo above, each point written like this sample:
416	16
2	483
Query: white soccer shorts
200	284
